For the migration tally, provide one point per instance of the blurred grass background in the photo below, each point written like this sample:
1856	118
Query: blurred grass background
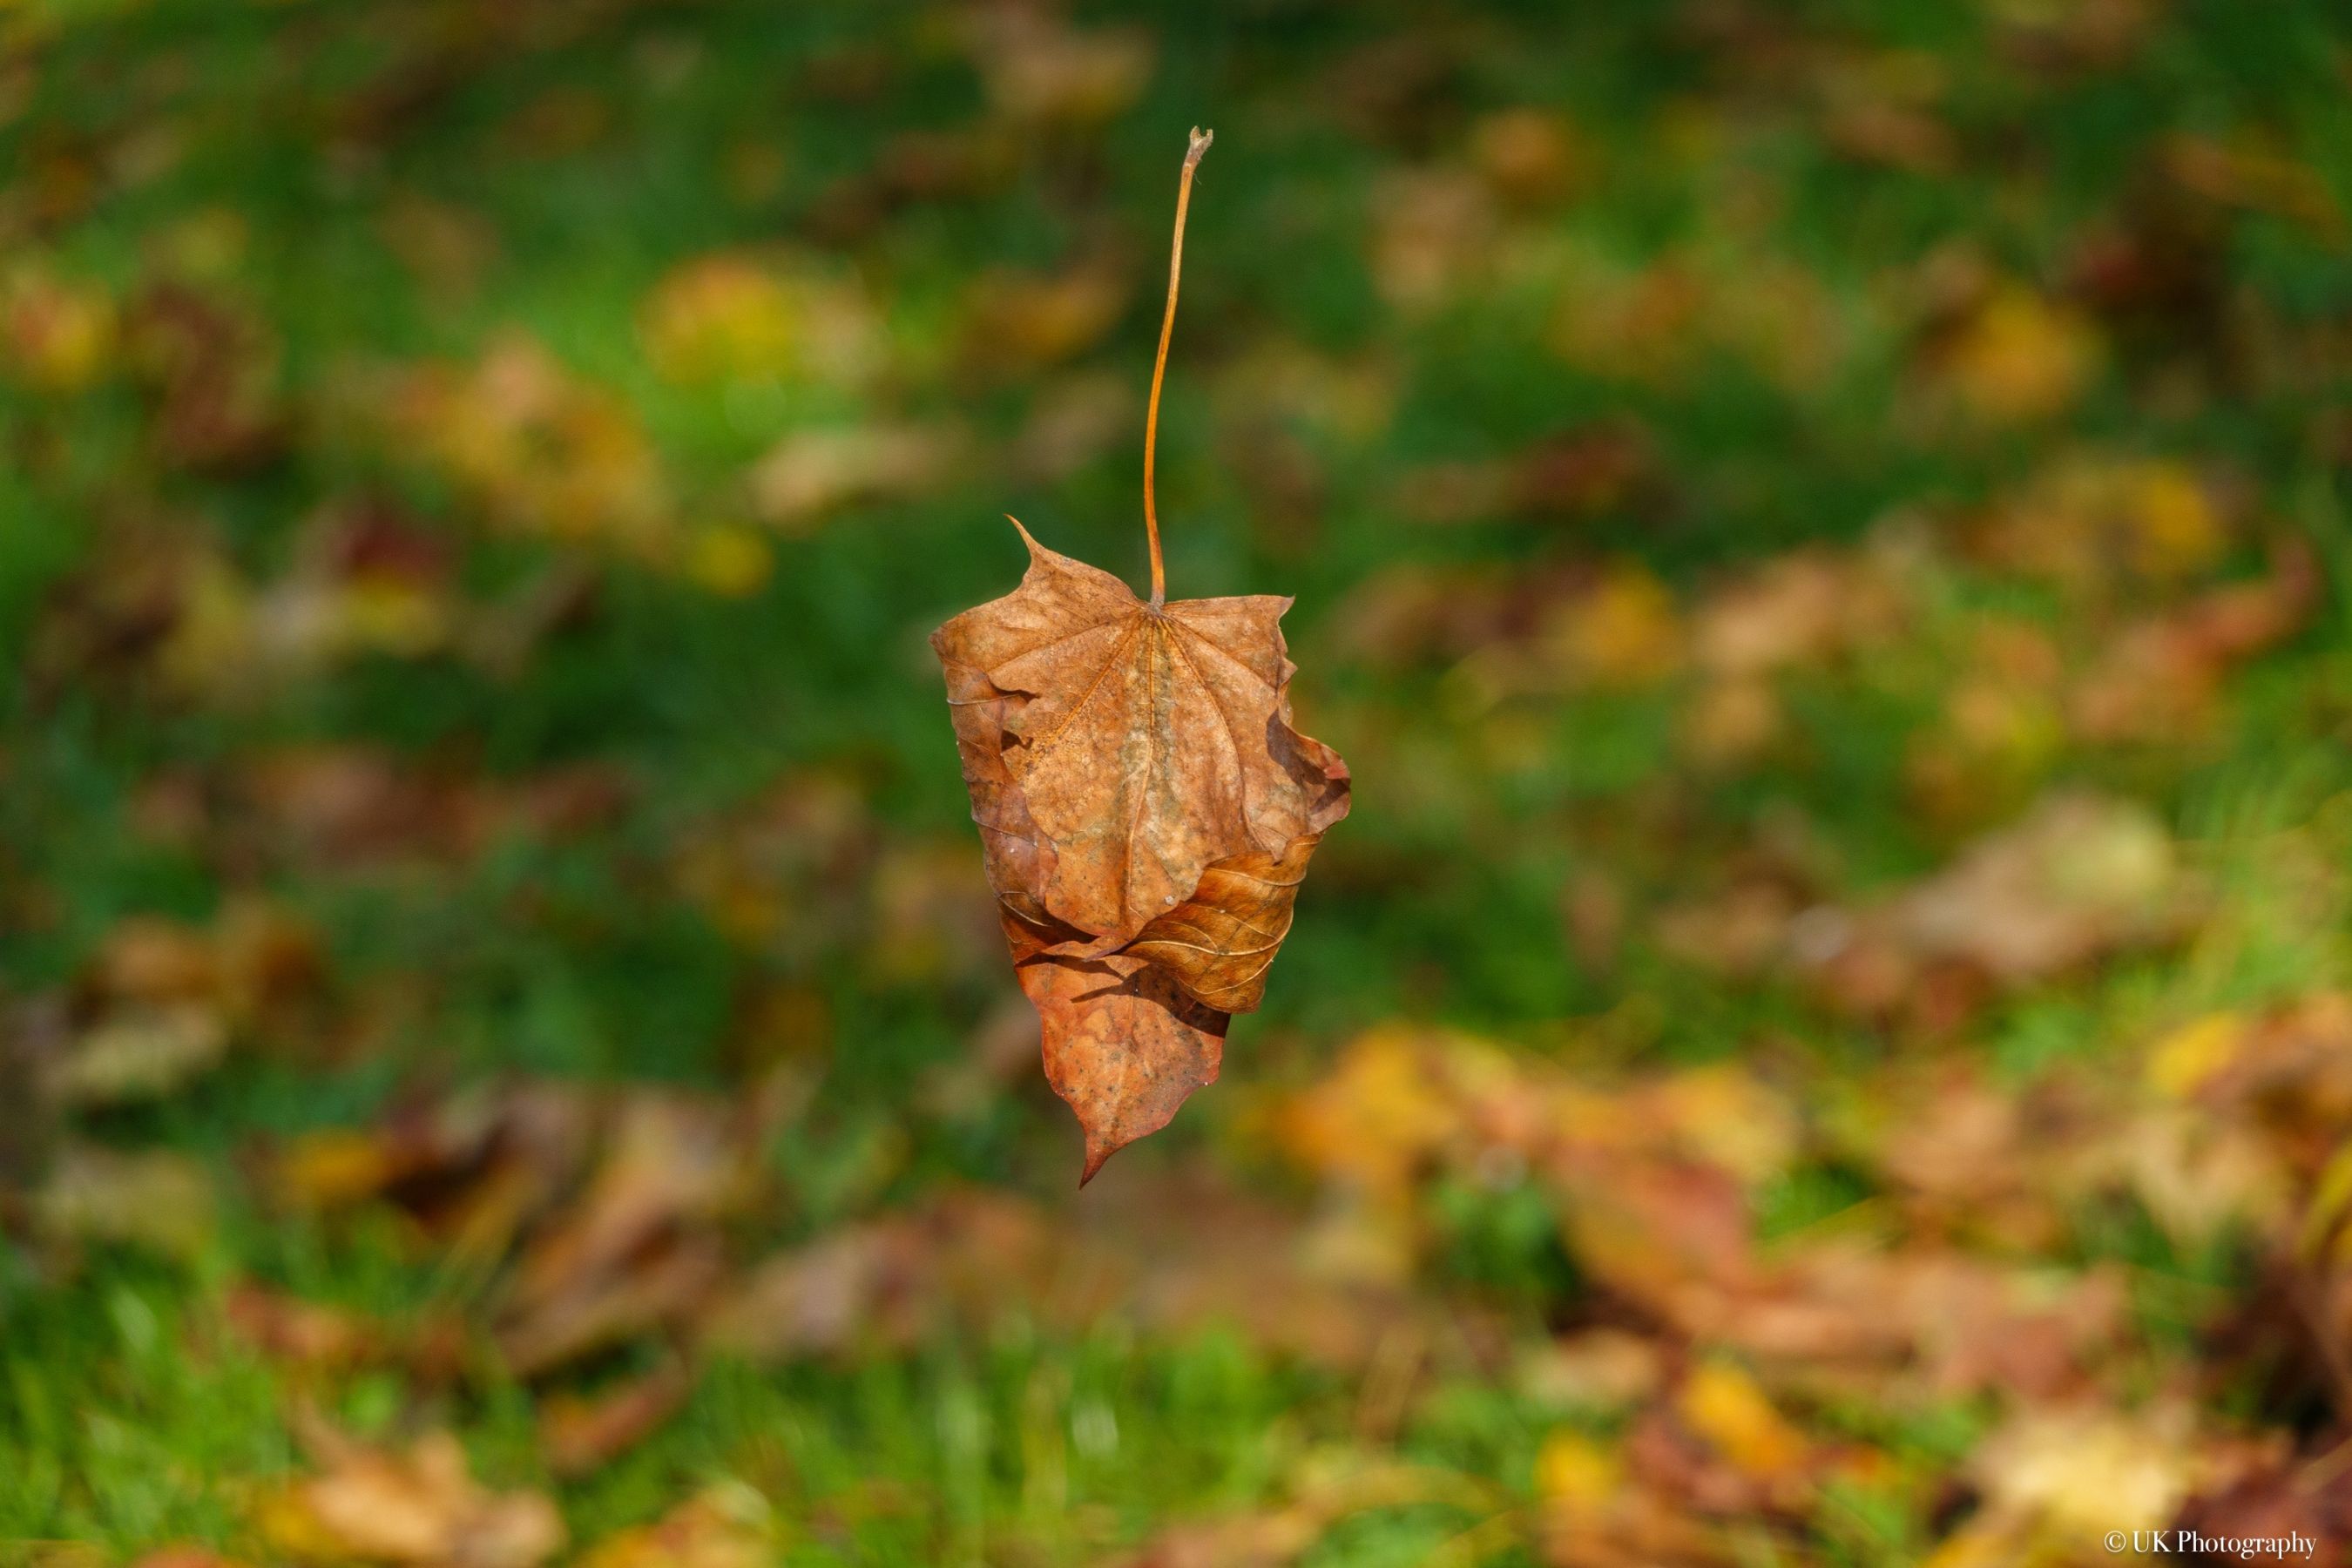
1820	529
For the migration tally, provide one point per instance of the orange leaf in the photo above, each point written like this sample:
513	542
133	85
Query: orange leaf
1125	1047
1145	742
1146	812
1146	809
1219	943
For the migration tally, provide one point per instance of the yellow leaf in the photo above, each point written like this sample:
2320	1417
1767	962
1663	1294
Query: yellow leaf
330	1168
1626	632
1376	1119
2081	1473
721	318
393	615
210	642
2021	357
726	1526
2180	531
2188	1057
1575	1470
154	1199
1978	1546
1726	1118
59	337
731	561
2331	1195
1723	1404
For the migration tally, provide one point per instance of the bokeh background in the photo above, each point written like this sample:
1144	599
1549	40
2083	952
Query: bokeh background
1820	527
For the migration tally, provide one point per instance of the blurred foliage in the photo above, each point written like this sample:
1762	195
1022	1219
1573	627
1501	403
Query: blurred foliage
1819	528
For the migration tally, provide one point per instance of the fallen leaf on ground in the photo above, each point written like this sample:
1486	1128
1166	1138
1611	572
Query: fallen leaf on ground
1595	1516
2093	522
138	1054
1599	1369
669	1160
634	1250
2264	1491
1434	237
419	1506
212	368
1329	1487
2161	679
812	474
1048	77
818	1300
1801	610
2078	1472
543	451
61	335
2260	179
1377	1119
720	318
2078	878
289	1329
1214	1256
581	1435
726	1525
470	1170
153	1198
1025	320
1722	1405
2015	357
660	1290
1530	157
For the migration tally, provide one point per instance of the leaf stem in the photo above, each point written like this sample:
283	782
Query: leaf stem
1192	155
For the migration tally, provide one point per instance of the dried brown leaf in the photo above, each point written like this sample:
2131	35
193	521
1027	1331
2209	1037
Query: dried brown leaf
152	1198
726	1525
1147	808
1124	1046
1145	742
581	1435
1219	943
421	1507
139	1053
1147	811
289	1330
